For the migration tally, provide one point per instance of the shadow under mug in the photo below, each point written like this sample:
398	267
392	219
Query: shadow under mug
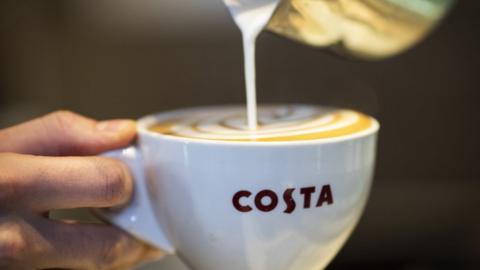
246	205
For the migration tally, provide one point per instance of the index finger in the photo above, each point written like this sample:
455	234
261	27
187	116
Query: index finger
66	133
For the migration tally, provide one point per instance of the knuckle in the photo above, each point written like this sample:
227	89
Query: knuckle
62	120
60	123
63	115
111	252
13	246
9	191
116	183
11	184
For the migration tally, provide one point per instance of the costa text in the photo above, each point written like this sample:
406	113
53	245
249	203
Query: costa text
244	201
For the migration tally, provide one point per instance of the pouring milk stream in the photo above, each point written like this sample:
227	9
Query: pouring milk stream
367	30
251	16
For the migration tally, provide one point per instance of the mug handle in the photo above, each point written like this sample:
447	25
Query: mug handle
137	217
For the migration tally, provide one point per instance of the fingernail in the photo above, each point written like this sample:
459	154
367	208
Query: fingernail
115	126
153	254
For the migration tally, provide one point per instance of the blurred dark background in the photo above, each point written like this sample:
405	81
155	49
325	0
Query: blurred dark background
109	59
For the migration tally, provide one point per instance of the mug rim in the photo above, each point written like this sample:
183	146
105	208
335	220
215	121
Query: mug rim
145	122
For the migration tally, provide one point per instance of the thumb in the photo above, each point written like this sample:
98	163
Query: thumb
66	133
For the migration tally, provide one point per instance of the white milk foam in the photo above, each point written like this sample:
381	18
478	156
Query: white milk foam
275	122
251	16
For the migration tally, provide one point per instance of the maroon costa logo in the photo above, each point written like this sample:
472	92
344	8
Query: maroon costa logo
245	201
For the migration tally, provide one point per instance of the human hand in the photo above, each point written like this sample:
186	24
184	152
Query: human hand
46	164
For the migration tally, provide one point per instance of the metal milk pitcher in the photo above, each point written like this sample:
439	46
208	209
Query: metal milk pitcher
365	29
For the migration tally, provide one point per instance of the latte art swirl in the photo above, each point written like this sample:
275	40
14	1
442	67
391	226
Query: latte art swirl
275	123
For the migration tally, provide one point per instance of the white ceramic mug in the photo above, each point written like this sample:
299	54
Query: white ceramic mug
246	205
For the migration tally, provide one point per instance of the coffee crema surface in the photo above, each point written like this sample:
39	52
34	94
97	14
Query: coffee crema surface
275	123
